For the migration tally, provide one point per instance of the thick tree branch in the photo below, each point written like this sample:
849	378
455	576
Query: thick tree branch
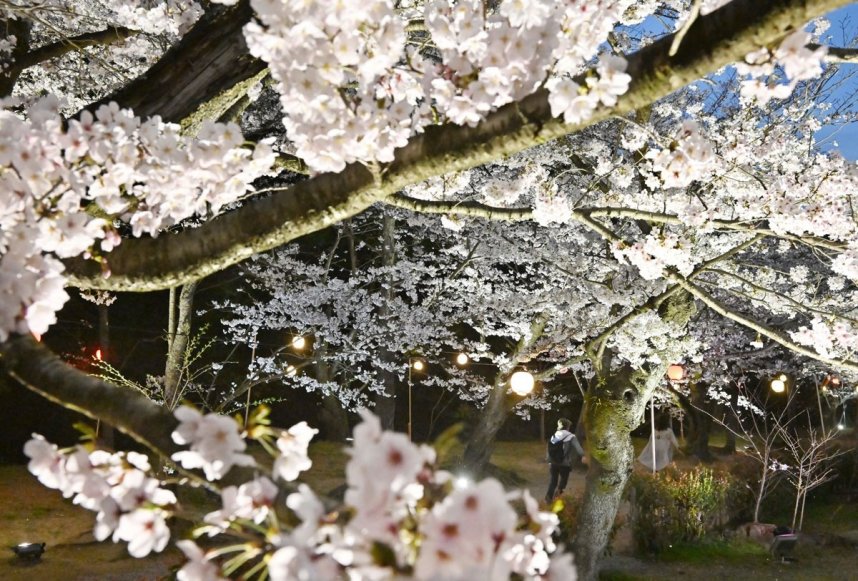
798	306
714	40
470	209
66	45
37	368
209	60
597	344
20	29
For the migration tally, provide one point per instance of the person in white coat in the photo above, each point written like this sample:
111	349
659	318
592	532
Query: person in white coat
664	442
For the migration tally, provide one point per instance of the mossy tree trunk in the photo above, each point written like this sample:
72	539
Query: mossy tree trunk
613	408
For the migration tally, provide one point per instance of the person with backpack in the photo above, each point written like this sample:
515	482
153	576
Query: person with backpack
562	447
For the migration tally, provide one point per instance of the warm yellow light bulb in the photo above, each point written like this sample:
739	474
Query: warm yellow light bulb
462	359
418	365
778	386
521	382
298	342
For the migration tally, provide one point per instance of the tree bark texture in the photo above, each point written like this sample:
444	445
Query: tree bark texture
105	433
500	403
613	408
37	368
333	419
177	346
209	60
491	418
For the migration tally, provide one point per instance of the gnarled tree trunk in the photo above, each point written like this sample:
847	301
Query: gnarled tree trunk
613	408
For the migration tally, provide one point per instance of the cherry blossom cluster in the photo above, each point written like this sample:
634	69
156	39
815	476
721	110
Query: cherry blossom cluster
215	443
430	527
656	252
131	506
63	185
828	339
7	46
352	91
798	62
690	158
649	339
396	499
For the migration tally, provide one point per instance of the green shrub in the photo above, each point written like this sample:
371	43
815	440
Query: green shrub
680	507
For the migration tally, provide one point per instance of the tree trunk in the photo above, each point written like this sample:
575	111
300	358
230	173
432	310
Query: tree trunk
479	448
700	424
500	402
613	408
385	402
177	346
333	419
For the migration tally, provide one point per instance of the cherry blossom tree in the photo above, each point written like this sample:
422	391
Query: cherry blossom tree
382	97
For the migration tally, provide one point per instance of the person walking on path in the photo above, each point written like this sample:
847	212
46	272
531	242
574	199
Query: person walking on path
562	448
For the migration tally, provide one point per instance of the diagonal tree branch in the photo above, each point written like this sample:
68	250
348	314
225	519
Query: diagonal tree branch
722	310
66	45
714	40
37	368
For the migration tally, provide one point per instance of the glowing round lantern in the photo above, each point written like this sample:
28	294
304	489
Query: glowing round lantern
778	385
521	382
462	359
418	365
675	372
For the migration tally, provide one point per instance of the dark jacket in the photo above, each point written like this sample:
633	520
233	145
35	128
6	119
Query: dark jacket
571	447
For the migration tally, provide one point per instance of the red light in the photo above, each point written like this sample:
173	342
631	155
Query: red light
675	372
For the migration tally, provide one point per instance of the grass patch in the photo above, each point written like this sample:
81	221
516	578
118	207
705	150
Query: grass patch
823	515
734	551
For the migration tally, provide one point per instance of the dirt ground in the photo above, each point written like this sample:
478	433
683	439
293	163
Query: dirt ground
30	512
